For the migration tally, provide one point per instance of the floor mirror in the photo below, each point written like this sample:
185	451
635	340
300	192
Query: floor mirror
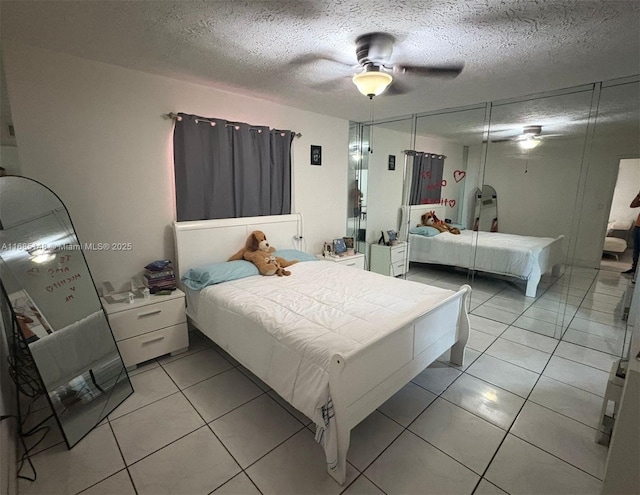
61	342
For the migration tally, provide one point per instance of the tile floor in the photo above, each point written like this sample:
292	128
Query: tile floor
518	417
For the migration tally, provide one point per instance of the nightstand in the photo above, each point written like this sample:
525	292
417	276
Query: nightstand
148	328
355	260
389	260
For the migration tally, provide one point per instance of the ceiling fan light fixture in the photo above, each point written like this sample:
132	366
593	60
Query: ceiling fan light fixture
528	143
372	83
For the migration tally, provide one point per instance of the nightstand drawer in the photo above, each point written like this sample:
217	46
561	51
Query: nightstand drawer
398	253
143	319
353	261
398	268
154	344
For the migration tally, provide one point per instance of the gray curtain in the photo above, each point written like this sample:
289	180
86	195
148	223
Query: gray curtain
227	170
426	180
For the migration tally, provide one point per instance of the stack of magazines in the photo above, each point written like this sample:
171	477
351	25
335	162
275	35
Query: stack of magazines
159	276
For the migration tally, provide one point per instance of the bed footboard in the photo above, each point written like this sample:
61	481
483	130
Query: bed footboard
361	382
549	259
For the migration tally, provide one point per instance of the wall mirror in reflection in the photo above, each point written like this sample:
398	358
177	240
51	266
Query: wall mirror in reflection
61	342
486	209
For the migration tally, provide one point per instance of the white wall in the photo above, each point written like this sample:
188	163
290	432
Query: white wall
536	192
627	186
9	160
95	134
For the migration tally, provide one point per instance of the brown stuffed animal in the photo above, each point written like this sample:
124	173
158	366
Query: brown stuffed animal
430	219
258	251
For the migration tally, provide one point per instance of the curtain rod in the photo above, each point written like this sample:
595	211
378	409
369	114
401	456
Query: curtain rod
414	152
175	116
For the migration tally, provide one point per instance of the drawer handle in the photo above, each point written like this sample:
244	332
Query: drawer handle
350	264
150	313
157	339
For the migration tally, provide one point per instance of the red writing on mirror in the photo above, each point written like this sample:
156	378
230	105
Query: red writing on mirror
442	202
458	175
62	283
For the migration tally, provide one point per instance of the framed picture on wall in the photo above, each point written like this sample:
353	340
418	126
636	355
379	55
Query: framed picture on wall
316	155
392	162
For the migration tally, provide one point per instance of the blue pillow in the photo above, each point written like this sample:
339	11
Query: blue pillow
216	273
294	255
425	230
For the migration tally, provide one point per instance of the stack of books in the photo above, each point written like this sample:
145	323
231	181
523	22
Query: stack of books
159	276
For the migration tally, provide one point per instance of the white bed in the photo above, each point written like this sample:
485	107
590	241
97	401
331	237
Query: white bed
524	257
328	335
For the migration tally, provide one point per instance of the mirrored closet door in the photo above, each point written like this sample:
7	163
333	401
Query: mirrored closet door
534	163
550	161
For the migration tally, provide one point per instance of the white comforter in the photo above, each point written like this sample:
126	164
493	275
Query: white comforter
286	329
493	252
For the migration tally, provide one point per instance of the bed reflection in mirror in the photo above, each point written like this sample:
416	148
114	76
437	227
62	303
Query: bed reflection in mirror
60	327
551	160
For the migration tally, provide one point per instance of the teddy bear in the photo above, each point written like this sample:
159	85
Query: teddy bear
258	251
430	219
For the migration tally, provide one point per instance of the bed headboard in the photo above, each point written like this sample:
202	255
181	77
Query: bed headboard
208	241
411	216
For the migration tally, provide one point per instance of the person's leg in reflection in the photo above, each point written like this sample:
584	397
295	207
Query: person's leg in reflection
636	236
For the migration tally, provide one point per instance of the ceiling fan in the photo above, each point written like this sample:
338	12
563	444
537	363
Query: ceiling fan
376	74
373	52
530	138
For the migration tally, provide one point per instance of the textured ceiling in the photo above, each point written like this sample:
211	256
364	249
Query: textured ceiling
301	53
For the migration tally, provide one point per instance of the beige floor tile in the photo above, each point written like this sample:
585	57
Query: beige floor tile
255	428
464	436
195	463
222	393
119	483
520	468
151	427
61	471
296	466
411	465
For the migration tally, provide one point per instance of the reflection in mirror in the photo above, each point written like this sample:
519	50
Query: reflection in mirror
9	162
444	257
382	148
384	162
604	323
357	189
538	176
59	324
486	210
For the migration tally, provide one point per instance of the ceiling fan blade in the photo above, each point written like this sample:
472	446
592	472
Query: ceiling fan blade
397	88
431	71
311	58
332	85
